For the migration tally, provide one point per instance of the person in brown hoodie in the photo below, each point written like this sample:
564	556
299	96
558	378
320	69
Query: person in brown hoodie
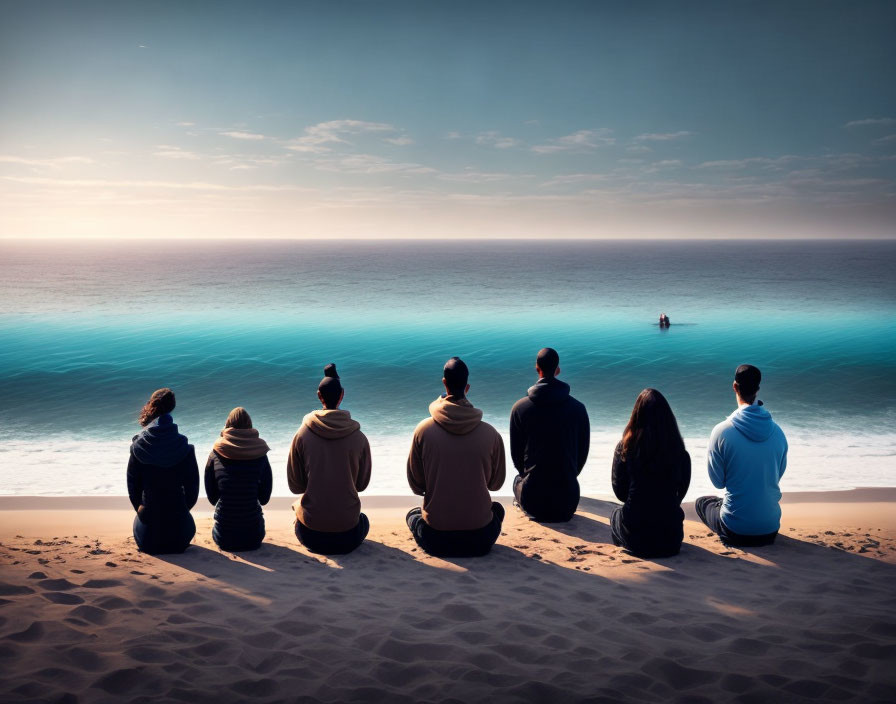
455	460
329	463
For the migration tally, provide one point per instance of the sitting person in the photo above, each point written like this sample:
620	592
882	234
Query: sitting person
651	475
549	440
238	482
747	456
329	463
455	459
163	480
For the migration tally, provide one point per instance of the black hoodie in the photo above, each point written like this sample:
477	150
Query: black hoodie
549	440
163	479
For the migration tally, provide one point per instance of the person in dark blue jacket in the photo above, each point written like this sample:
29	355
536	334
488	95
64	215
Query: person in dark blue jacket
549	440
651	475
238	482
163	480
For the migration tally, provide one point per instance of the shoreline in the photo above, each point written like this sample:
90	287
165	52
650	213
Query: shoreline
100	502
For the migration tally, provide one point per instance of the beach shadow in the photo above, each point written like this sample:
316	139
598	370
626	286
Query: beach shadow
235	566
582	527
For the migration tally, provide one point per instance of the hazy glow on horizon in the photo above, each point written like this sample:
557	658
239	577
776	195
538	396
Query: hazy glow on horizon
404	120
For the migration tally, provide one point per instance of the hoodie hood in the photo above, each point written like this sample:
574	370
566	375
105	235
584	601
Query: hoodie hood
240	444
457	416
331	424
159	443
754	422
549	391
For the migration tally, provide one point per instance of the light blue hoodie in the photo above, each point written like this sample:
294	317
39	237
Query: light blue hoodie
747	456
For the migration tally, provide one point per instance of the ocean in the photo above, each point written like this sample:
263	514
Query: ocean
89	329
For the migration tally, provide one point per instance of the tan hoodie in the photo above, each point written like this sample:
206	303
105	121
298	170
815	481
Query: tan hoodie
329	463
455	460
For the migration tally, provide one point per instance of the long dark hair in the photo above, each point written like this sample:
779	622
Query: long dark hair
160	403
652	431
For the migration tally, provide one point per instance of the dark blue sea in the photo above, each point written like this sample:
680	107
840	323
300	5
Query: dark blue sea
89	329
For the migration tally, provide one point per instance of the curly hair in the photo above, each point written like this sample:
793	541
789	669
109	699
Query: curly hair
161	402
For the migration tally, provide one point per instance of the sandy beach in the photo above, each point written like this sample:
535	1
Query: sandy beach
554	614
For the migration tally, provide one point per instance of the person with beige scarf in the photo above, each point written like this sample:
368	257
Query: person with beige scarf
238	482
329	463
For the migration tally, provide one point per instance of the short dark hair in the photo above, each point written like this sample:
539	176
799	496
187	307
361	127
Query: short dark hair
747	378
547	360
330	387
456	375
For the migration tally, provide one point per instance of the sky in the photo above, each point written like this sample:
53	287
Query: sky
449	119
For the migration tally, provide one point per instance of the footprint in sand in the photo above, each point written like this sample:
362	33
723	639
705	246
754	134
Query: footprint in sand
62	598
7	589
120	681
56	585
461	612
89	613
34	632
679	676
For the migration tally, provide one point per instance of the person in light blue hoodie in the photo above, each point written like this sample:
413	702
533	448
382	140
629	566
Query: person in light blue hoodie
747	456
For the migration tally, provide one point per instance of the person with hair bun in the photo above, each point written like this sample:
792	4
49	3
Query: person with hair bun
651	475
163	480
238	482
329	463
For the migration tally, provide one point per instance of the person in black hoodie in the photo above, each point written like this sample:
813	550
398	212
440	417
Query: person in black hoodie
651	475
549	440
238	482
163	480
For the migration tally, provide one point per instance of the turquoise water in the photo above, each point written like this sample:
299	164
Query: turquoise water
87	331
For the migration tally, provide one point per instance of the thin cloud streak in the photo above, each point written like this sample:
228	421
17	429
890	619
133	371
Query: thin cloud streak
317	136
237	134
581	141
870	122
54	163
663	136
495	139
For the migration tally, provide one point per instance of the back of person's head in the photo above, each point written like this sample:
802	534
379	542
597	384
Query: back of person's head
330	388
238	418
455	375
652	430
747	378
547	360
160	403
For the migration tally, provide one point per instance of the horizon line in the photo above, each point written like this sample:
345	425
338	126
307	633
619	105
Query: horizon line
466	238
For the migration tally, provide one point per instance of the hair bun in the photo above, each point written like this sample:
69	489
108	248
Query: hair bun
330	371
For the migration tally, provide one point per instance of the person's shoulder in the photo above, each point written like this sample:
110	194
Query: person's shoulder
720	429
578	405
424	425
360	438
521	405
779	432
487	429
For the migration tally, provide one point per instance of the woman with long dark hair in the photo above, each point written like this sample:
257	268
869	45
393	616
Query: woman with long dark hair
651	475
163	479
238	482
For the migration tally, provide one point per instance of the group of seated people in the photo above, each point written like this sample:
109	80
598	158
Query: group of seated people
455	460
